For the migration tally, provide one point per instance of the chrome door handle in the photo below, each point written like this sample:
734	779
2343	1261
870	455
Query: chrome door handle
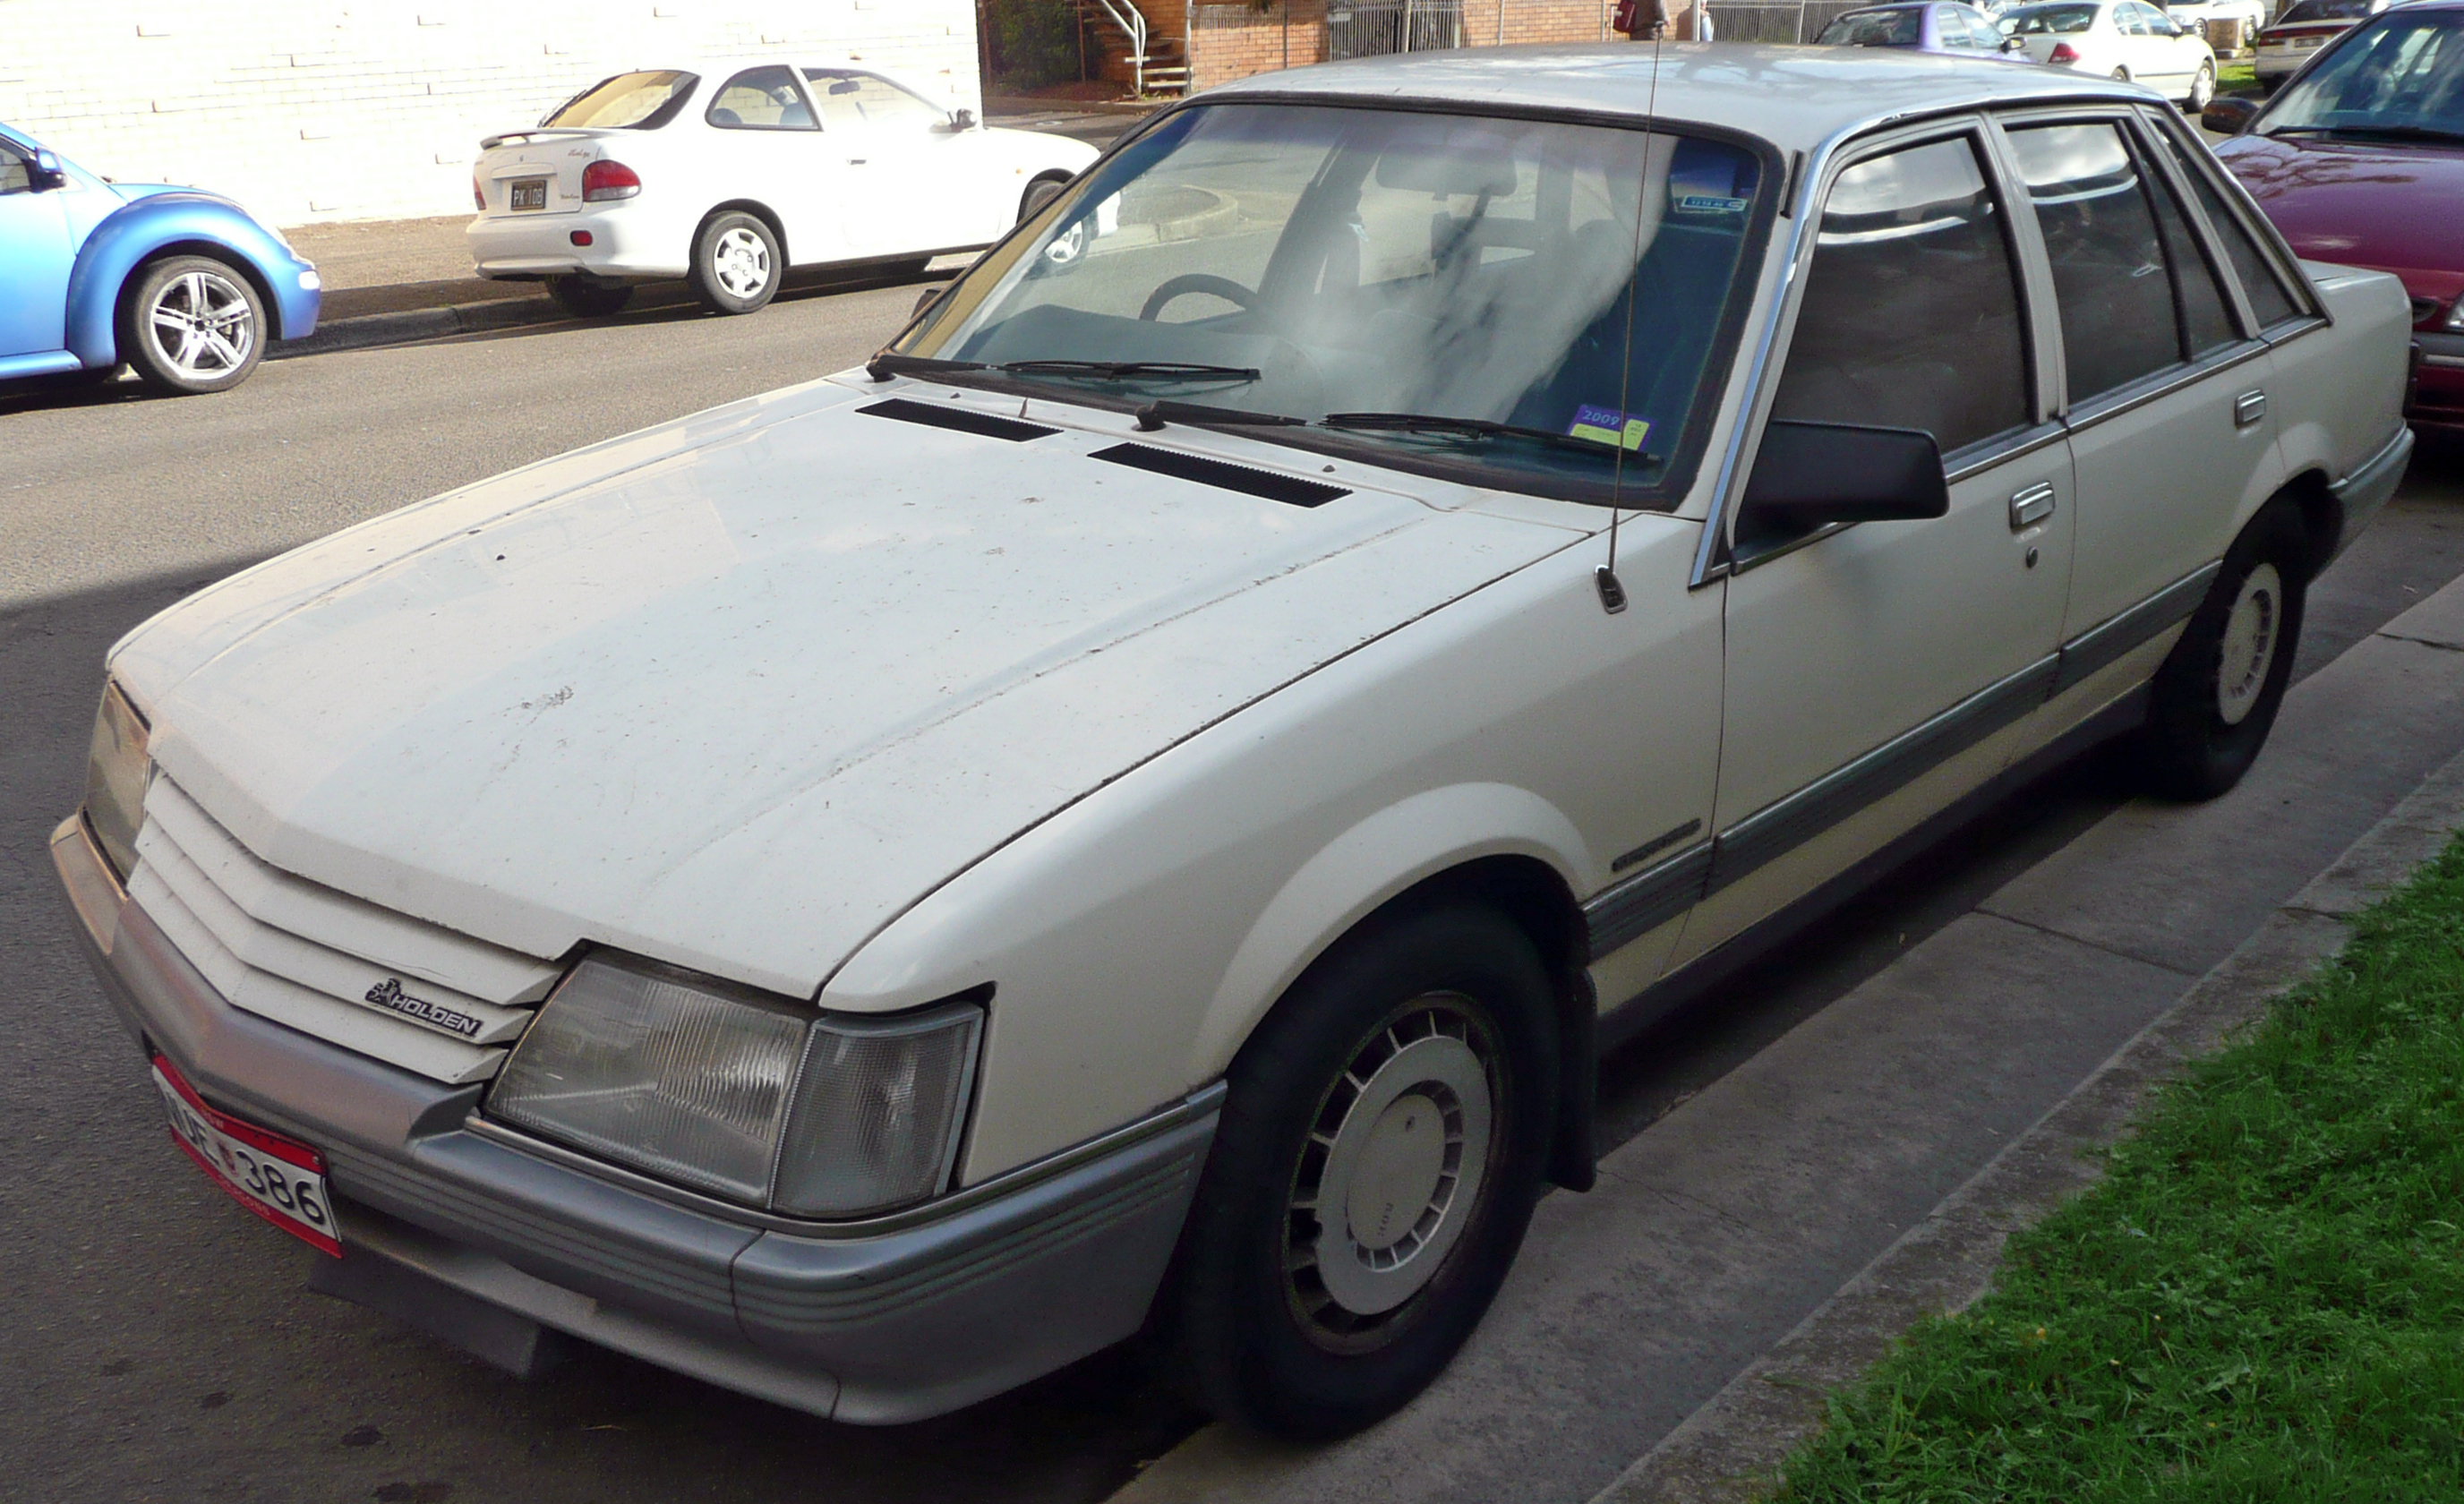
2248	408
2032	506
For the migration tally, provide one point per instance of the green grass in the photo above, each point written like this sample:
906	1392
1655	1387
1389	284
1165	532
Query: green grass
2261	1303
2236	76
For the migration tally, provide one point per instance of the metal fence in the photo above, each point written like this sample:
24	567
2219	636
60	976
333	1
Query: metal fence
1373	28
1789	21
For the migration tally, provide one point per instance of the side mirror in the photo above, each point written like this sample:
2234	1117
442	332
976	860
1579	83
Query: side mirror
1810	475
2228	116
2014	44
925	299
46	173
963	120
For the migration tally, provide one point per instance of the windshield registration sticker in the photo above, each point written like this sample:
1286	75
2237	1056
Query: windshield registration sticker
1608	426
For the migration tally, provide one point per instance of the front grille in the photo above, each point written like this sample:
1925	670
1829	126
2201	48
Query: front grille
383	983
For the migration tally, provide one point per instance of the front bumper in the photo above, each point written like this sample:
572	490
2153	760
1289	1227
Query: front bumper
893	1320
622	245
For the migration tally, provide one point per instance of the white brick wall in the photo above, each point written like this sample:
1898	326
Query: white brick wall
311	110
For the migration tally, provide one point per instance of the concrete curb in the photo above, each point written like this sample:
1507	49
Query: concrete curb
369	330
1727	1452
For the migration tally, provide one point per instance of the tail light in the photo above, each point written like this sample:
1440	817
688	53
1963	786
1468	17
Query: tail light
604	181
2063	53
479	194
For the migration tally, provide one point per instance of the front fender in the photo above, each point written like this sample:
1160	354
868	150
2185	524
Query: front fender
1381	856
183	219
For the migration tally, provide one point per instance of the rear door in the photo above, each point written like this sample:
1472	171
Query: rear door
1875	671
34	259
770	147
2164	383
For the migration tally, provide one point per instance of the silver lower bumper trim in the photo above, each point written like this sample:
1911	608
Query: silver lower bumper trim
2367	489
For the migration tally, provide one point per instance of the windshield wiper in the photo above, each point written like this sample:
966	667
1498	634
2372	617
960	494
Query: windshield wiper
2388	132
1163	410
888	363
1118	370
1467	427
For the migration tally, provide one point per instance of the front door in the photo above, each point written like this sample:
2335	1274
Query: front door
1877	671
34	258
918	184
774	151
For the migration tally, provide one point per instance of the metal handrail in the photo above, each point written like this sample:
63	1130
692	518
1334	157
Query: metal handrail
1134	24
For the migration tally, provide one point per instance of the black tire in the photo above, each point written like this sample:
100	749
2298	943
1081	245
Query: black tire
1249	1320
1038	194
191	324
2207	716
735	263
588	298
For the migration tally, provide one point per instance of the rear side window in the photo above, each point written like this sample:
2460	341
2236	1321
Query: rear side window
2260	283
761	100
1910	317
851	99
2109	275
642	100
2199	292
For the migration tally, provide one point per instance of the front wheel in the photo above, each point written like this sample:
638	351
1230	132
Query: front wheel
1381	1146
2203	89
2215	696
734	264
1038	194
191	324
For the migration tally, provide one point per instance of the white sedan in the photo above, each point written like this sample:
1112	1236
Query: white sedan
2121	39
727	177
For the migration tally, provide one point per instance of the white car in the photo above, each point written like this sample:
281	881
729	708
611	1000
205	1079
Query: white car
2197	14
730	175
2301	29
1142	807
2119	40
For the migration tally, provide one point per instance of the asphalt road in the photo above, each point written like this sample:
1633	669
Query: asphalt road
159	1340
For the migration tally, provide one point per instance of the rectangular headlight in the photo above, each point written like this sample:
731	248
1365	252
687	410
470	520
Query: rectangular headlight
116	770
734	1093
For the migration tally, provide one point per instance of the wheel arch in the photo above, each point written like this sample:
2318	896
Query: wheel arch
1493	843
1053	175
2322	515
759	210
135	237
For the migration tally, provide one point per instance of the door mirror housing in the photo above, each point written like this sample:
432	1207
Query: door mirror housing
45	173
2014	44
1810	475
2227	116
963	120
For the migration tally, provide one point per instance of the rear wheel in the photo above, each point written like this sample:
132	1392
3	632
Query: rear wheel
2214	699
588	298
191	324
1378	1156
2203	89
735	263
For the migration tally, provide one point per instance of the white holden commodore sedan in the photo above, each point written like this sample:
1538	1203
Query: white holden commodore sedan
729	176
2119	39
1140	808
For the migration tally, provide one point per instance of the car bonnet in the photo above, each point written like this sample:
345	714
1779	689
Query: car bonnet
737	700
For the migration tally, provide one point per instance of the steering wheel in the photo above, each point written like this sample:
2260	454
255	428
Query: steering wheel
1224	287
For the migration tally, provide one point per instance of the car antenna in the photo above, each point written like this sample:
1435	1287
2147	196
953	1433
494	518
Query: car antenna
1612	590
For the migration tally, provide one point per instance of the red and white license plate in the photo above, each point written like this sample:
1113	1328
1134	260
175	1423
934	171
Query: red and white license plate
281	1180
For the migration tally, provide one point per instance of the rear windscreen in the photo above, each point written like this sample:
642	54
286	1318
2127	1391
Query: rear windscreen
2324	11
645	100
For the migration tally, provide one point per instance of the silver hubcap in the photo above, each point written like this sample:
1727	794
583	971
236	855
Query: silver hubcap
1394	1167
2249	647
200	325
740	262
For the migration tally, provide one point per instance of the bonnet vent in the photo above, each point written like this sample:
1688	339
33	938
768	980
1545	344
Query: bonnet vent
1291	489
985	424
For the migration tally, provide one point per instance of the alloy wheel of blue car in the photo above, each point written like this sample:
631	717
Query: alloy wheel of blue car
192	324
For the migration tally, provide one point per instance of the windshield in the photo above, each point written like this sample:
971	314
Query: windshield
2050	20
1873	28
629	99
2323	10
1349	267
2402	76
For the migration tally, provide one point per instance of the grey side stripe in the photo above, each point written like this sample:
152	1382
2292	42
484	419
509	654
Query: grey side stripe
1648	900
2108	640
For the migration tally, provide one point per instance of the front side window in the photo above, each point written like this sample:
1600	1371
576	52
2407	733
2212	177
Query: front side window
851	99
2110	279
1526	303
1950	28
629	100
1910	317
760	98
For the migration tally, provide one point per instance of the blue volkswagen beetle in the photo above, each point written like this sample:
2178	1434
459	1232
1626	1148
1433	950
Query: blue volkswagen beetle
184	286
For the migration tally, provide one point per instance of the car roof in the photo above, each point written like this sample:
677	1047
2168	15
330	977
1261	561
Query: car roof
1796	97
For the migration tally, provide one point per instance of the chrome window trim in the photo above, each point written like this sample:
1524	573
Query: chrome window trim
2286	330
2271	245
1196	1104
2169	166
2159	384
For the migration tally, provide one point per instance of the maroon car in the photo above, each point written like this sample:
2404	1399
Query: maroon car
2360	160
